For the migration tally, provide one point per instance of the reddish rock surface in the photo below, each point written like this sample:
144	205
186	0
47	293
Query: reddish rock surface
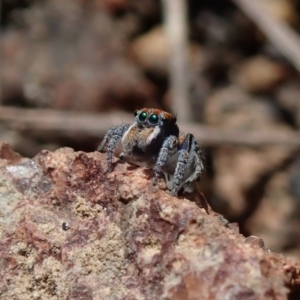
70	231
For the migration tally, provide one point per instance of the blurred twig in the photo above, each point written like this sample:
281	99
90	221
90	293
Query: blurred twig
281	35
72	124
175	22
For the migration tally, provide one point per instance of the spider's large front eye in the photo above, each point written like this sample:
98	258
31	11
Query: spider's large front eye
153	119
142	116
136	113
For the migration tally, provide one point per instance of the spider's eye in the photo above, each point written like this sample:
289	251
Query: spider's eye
153	119
142	116
136	113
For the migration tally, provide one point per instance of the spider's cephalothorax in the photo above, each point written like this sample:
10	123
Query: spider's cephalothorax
154	141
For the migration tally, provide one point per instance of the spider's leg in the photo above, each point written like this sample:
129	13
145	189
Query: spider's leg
110	142
198	169
168	148
195	160
179	171
107	137
189	160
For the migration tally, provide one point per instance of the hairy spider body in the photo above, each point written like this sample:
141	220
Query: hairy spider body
154	141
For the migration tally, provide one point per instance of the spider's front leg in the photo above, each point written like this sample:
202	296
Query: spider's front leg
111	141
168	148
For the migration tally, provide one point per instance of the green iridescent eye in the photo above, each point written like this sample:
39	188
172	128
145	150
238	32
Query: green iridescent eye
142	116
153	119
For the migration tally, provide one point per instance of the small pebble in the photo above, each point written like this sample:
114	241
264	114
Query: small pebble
65	226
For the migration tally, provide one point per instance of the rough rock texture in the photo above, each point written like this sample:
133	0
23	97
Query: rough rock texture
70	231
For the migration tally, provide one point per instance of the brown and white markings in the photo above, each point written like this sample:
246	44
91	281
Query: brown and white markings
154	141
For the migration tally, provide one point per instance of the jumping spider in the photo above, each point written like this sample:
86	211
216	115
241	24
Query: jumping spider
154	141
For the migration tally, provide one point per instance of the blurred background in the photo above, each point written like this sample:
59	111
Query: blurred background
230	71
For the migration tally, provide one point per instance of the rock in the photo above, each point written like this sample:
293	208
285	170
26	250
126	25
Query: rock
232	108
276	218
152	51
243	175
243	171
15	63
282	9
7	155
288	100
71	231
73	57
259	74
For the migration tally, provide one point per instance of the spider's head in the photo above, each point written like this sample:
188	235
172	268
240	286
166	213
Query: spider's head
156	124
151	117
